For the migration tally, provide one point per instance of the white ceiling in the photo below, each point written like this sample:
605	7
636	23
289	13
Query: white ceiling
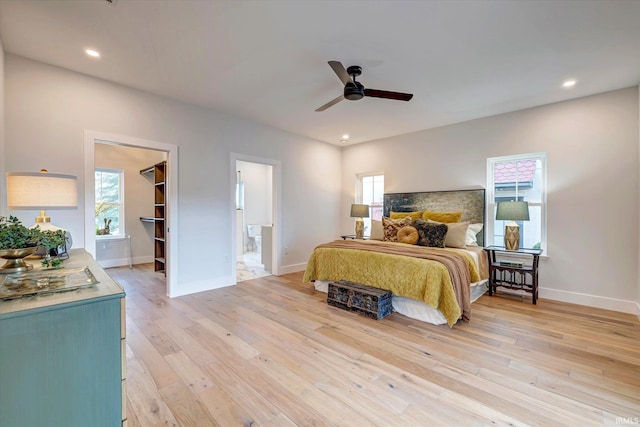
267	60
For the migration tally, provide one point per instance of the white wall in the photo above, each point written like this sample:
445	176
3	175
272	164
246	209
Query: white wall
138	201
49	108
593	192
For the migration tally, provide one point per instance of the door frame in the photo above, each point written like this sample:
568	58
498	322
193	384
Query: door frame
171	223
275	206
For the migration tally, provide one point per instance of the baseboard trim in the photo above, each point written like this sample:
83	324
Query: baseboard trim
606	303
293	268
121	262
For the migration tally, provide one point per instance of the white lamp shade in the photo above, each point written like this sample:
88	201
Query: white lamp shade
41	191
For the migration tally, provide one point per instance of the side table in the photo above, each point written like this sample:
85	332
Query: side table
513	275
352	237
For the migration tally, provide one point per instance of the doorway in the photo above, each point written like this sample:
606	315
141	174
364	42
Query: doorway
254	219
149	151
255	185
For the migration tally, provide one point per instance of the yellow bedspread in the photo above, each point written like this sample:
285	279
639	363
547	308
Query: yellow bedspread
403	274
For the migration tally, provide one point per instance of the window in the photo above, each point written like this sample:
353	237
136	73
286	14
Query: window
523	178
109	201
370	191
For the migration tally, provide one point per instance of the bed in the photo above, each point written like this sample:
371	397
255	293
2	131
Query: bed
434	285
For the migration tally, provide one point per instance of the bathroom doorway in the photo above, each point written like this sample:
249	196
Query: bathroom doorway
254	220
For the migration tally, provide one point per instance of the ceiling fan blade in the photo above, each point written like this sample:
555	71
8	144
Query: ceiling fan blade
330	103
388	95
339	69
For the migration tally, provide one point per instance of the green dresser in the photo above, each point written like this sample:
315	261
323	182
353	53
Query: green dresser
62	355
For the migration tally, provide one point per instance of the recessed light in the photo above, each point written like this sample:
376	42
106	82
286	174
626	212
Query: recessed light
569	83
345	136
92	53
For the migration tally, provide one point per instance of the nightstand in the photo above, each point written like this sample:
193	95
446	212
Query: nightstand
513	275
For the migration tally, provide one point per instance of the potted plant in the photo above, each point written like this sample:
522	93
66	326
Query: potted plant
52	241
18	242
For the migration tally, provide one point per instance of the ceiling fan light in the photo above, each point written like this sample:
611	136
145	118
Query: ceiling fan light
353	91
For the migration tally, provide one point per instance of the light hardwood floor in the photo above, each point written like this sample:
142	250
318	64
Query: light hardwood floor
271	352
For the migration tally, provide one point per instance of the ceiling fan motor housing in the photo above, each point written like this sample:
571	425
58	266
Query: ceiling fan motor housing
354	91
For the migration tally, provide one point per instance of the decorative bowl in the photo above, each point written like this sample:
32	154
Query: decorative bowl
15	259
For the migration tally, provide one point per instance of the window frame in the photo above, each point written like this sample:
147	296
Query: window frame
491	195
121	206
359	194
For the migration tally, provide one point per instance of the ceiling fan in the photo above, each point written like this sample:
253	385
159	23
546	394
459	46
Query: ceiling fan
354	90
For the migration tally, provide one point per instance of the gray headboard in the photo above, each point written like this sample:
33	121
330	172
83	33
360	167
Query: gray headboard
469	202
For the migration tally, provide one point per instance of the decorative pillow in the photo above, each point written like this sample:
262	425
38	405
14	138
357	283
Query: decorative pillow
472	234
376	230
456	234
408	234
391	227
446	217
431	234
400	215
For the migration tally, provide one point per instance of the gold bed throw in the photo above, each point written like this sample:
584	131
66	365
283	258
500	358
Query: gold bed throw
440	277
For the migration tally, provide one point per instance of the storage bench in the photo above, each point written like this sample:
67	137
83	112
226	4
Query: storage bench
371	302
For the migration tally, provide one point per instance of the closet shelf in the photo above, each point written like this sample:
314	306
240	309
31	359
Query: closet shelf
158	171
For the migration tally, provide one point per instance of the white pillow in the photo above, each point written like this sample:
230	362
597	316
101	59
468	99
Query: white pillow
472	231
456	234
376	230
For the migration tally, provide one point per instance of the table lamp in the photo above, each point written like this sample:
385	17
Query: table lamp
358	212
512	211
42	191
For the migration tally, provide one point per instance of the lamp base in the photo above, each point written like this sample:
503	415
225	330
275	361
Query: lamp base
359	228
512	237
